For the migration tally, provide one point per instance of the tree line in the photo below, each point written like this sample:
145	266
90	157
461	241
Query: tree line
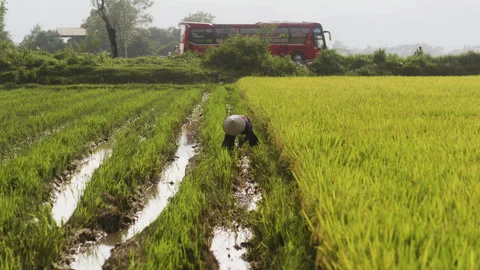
403	50
120	27
3	32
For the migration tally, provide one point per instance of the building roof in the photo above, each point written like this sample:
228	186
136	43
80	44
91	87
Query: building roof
72	32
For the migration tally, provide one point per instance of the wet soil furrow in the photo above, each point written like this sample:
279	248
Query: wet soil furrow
148	203
230	243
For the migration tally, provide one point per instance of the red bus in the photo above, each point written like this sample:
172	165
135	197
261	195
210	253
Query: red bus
301	40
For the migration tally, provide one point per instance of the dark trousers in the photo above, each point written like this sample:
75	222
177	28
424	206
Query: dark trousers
229	141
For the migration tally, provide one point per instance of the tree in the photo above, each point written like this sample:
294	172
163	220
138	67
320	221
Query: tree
141	44
120	18
97	36
164	40
103	10
48	40
199	16
3	11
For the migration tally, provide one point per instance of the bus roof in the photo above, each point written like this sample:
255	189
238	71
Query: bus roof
250	25
199	23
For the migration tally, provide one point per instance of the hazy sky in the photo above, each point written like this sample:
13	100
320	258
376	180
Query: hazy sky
358	23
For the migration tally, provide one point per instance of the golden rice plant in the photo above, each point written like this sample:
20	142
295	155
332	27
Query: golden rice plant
388	167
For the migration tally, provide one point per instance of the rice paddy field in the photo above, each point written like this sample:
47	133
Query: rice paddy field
388	168
350	173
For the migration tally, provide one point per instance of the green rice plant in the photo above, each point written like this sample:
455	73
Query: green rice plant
205	197
137	155
281	235
60	149
25	180
22	129
179	237
387	167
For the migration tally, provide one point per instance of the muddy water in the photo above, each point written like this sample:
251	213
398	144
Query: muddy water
249	192
69	194
94	256
229	245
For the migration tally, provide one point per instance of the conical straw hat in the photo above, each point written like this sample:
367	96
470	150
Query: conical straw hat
234	125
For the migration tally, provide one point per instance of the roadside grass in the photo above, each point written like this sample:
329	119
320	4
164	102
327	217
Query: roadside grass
387	166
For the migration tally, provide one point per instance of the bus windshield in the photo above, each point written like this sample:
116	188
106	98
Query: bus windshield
318	38
183	29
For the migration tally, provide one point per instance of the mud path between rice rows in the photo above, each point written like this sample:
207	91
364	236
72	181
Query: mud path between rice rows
89	249
229	244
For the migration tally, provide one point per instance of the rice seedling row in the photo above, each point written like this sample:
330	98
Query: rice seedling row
155	197
367	173
61	147
178	238
15	99
209	207
137	129
39	101
387	167
22	178
281	236
21	132
137	155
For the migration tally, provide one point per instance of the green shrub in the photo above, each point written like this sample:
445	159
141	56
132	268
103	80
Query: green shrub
393	64
282	66
249	56
238	56
367	70
358	61
419	64
7	52
379	56
328	62
380	63
470	62
449	65
242	55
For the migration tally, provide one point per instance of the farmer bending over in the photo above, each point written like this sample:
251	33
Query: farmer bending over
235	125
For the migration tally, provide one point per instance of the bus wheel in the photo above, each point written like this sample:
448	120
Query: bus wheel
298	58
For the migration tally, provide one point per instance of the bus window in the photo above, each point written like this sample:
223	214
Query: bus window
280	36
201	35
249	32
298	35
221	34
318	38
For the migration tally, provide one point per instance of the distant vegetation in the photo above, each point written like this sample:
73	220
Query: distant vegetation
22	65
3	33
403	50
242	56
238	57
380	63
44	58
